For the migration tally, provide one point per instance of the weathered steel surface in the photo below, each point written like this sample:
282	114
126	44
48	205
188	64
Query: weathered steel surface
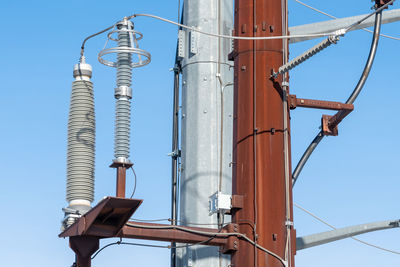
161	232
105	219
121	177
318	104
259	173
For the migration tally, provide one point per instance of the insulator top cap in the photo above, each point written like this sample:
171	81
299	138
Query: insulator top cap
125	22
82	70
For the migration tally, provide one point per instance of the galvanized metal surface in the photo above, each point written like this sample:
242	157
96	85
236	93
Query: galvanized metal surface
259	159
337	24
205	75
346	232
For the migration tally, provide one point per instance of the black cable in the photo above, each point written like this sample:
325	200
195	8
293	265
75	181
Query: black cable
126	243
149	245
350	100
91	36
134	187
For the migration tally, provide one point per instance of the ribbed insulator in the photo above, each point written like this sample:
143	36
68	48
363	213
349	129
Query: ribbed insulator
124	60
122	128
306	55
81	142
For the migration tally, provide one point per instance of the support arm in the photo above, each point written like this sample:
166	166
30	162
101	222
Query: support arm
337	24
338	234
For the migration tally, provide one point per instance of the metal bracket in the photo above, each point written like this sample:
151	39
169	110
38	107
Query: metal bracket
175	154
326	129
380	3
328	123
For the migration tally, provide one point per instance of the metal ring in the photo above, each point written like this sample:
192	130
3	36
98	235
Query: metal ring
125	49
138	35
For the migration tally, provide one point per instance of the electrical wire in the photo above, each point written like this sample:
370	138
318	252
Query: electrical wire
361	82
125	243
230	36
178	221
333	17
93	35
148	245
205	233
376	12
134	187
334	228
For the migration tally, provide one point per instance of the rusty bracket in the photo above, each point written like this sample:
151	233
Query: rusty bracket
183	234
326	129
236	203
110	218
380	3
329	123
318	104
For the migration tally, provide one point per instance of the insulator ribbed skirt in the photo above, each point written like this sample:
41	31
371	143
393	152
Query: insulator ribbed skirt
123	105
122	128
124	60
81	143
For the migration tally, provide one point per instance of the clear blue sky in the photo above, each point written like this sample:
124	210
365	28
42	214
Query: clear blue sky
351	179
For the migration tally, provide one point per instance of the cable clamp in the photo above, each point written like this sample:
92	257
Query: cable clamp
285	84
123	91
340	32
289	223
175	154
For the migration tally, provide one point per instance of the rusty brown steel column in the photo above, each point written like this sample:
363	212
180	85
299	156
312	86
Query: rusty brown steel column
121	177
258	156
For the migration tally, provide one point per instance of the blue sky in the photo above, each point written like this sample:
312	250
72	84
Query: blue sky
350	179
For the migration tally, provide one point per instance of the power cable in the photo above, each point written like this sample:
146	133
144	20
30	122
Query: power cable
334	228
148	245
205	233
333	17
134	187
178	221
335	33
230	36
363	78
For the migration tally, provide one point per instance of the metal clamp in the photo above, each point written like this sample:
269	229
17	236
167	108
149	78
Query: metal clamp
123	91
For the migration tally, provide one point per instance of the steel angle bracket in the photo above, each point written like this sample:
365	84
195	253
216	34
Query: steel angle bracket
329	124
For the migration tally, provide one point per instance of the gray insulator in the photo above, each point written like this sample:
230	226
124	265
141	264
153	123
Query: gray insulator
123	105
306	55
124	60
81	142
122	128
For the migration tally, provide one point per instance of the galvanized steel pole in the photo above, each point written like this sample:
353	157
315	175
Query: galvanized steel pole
258	153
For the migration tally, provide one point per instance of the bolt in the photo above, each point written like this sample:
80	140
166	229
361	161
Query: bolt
274	237
271	28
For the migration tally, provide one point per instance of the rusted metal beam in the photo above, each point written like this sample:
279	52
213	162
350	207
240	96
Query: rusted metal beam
84	247
182	234
121	177
330	123
110	218
318	104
